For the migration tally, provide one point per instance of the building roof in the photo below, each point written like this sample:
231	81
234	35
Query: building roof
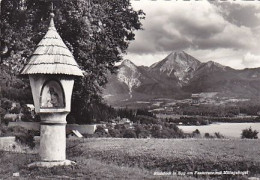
52	56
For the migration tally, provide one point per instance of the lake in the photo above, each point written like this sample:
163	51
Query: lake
232	130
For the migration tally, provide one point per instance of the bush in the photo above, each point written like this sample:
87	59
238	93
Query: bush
156	131
219	136
249	133
173	127
114	133
141	132
100	132
22	135
144	134
196	133
15	110
129	133
207	135
26	139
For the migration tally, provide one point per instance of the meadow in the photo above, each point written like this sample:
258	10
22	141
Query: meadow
114	158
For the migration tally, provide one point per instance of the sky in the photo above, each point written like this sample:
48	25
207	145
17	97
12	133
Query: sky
225	32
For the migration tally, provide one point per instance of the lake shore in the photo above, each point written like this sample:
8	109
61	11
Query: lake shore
229	130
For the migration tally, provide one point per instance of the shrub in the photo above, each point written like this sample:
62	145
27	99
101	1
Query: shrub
141	132
22	135
249	133
173	127
156	131
165	133
129	133
219	136
144	134
27	117
205	122
114	133
120	127
6	104
26	139
196	133
100	132
207	135
15	110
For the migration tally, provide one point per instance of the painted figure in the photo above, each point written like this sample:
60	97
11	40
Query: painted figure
53	99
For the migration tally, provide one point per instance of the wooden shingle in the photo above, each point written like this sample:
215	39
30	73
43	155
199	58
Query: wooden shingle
52	56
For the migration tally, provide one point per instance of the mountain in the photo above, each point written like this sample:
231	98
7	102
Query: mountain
134	83
228	82
130	75
123	84
178	65
177	76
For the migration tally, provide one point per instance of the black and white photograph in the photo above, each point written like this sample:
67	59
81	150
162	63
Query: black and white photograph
130	89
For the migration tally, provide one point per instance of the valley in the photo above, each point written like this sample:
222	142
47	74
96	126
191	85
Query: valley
199	109
181	87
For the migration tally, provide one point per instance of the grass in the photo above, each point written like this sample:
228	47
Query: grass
110	158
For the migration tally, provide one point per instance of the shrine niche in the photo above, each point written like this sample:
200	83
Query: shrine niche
52	95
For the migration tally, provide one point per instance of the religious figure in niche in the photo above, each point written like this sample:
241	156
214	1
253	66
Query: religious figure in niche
52	96
53	99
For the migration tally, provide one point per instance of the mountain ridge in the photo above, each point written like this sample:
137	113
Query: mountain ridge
179	75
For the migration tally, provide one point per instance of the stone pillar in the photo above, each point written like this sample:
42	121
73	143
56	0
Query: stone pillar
53	142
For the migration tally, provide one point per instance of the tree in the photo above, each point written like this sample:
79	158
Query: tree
97	32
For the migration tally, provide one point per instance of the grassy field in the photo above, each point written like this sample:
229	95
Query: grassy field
107	158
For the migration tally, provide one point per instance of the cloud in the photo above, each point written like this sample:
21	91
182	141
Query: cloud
173	26
231	37
145	59
239	14
251	60
219	29
224	56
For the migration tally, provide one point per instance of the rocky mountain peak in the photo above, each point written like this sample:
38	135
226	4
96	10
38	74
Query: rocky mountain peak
211	66
212	63
178	64
128	64
129	75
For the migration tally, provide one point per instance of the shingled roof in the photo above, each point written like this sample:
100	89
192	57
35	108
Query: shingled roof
52	56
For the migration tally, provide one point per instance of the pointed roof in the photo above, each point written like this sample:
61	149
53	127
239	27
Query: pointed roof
52	56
